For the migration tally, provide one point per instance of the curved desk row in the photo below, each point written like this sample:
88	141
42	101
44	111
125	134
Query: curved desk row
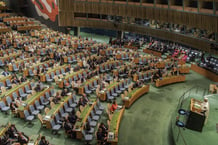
12	55
54	110
170	80
149	51
80	124
88	82
30	27
72	75
184	70
134	95
54	70
22	62
30	101
212	76
114	126
37	66
9	93
131	47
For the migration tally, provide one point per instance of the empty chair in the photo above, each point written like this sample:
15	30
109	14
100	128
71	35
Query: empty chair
70	80
55	127
8	83
58	119
91	87
47	95
71	104
22	94
94	117
53	93
69	60
27	89
3	107
74	59
62	114
33	111
121	87
99	105
15	68
14	94
75	100
102	70
75	78
43	101
57	72
113	93
87	91
1	63
91	122
52	75
97	111
109	96
32	84
1	85
67	108
31	72
95	83
8	100
117	90
38	106
88	137
48	79
62	71
28	117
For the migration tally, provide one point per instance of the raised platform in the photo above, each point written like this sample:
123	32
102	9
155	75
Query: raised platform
209	132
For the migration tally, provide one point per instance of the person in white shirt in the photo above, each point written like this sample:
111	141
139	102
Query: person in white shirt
205	108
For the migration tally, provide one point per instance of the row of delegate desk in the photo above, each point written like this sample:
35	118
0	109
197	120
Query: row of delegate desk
54	110
80	124
30	101
212	76
134	95
170	80
114	126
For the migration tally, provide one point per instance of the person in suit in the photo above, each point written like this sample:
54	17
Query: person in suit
5	72
101	137
104	129
22	138
43	141
23	79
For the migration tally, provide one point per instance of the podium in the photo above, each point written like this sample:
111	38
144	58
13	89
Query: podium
196	118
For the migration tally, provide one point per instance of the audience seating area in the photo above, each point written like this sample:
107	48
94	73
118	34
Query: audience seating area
64	82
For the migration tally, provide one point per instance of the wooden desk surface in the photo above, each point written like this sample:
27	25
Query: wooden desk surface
54	110
170	80
115	124
32	99
79	125
9	92
3	129
134	95
210	75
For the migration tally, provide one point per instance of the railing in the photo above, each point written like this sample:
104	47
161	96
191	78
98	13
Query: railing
178	133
